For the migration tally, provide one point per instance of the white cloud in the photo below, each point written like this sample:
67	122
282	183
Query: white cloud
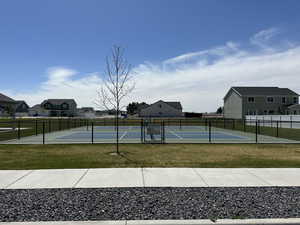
199	80
262	39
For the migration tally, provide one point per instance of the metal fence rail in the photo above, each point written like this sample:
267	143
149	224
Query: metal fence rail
208	130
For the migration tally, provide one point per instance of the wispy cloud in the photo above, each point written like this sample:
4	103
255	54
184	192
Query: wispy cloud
198	79
262	39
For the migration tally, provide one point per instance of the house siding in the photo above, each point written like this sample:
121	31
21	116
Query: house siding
165	110
233	106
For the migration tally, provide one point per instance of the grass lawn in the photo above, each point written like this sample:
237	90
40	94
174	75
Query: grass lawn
138	155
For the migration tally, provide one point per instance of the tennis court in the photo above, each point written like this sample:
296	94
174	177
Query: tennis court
142	134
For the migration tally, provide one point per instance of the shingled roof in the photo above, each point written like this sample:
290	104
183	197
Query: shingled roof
261	91
264	91
58	101
176	105
4	98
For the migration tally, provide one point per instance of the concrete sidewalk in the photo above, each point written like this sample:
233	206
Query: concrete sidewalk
149	177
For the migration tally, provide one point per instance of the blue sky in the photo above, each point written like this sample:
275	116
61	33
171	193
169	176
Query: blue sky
48	45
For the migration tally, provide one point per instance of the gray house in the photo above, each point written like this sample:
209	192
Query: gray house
22	108
241	101
7	105
162	109
60	107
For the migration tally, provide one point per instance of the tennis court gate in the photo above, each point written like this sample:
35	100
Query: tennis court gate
152	132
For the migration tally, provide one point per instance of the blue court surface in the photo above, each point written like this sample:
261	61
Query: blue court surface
135	133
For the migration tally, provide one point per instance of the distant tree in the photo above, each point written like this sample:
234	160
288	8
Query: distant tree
135	107
220	110
116	85
132	108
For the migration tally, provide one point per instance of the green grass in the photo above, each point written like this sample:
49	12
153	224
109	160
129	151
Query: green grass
138	155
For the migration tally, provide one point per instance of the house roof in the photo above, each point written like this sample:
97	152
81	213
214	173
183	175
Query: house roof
19	102
4	98
58	101
261	91
176	105
35	107
264	91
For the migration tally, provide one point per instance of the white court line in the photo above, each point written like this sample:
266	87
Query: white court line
123	135
176	134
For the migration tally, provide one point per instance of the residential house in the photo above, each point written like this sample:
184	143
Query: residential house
60	107
37	110
293	109
7	105
162	109
242	101
22	108
87	112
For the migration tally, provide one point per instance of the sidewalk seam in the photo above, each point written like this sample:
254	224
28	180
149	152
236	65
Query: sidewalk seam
25	175
258	177
199	175
80	178
143	178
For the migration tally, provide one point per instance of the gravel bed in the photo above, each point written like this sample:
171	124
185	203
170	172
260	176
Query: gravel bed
148	203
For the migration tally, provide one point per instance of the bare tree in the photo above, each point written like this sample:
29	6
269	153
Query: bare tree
117	84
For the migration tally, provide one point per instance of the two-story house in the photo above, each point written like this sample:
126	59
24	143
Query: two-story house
242	101
7	105
162	109
60	107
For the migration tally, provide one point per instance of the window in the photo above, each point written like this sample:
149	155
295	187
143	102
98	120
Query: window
270	99
271	112
250	99
159	105
295	100
283	99
265	112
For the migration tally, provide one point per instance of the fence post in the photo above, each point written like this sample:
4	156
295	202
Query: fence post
256	129
291	122
87	124
233	124
244	121
209	131
224	123
36	127
43	132
142	133
92	132
19	129
49	124
180	124
277	134
59	124
164	136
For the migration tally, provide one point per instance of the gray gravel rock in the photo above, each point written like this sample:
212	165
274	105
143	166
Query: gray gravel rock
148	203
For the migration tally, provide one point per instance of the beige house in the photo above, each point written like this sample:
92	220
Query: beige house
162	109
